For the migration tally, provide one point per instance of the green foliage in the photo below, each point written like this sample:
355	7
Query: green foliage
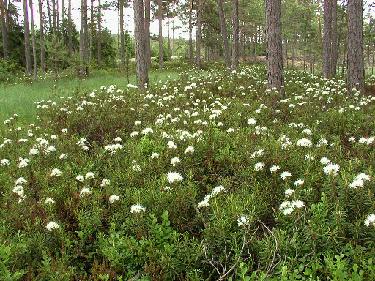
6	273
256	199
8	71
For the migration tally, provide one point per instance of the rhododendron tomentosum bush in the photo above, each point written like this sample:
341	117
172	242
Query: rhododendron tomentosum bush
207	177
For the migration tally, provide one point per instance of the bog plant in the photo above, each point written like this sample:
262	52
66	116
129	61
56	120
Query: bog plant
208	177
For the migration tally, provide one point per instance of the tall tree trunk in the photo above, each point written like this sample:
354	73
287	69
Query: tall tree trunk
304	41
35	59
122	34
92	31
236	35
373	61
49	16
294	51
335	41
83	39
41	33
4	29
57	16
160	19
99	39
286	52
54	15
62	11
70	31
173	37
140	43
274	45
169	38
191	48
147	32
27	36
224	33
355	45
199	34
327	39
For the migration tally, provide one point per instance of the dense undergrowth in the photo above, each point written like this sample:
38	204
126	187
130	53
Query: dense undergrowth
209	177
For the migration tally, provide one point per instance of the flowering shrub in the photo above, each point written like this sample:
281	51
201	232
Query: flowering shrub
210	176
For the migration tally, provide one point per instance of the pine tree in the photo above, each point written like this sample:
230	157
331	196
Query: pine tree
83	46
27	36
139	34
236	34
41	38
35	69
4	29
355	45
147	32
160	19
122	34
199	34
224	33
274	45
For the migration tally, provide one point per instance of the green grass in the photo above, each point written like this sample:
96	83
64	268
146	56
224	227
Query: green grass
20	98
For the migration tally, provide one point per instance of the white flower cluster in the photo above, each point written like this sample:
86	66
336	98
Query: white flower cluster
287	207
18	189
331	169
243	220
56	172
52	225
173	177
370	220
113	198
258	166
137	208
113	148
83	144
359	180
206	201
304	142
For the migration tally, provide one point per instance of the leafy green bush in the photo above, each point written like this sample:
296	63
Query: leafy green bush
208	177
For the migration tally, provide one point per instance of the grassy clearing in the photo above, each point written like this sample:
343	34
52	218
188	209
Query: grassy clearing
20	98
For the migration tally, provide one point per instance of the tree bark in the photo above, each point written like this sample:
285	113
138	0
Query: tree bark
169	37
274	46
122	34
335	42
147	32
62	10
41	40
294	50
70	32
54	15
49	16
327	39
236	35
4	29
191	48
199	35
99	39
92	31
173	37
160	19
57	16
35	59
83	39
27	37
286	52
224	33
139	34
355	45
373	62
